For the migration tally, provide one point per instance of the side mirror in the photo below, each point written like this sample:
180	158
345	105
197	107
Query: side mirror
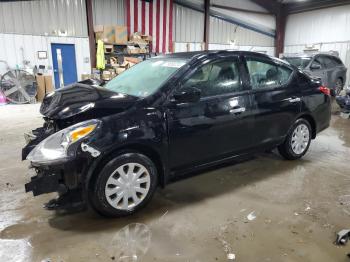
315	66
187	95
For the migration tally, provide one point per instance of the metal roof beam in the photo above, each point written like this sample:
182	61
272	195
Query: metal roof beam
229	19
230	8
270	5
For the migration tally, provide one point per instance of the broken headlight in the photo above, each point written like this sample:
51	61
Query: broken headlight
56	147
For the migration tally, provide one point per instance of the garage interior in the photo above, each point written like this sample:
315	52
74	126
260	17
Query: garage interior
263	208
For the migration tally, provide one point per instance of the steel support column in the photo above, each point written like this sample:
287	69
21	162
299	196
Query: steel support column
91	33
281	18
206	24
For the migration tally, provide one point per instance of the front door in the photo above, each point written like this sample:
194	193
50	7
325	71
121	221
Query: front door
64	64
276	99
219	124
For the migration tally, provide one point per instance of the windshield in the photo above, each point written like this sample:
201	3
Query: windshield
145	78
300	62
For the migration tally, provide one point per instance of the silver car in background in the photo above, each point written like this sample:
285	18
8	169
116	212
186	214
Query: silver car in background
326	66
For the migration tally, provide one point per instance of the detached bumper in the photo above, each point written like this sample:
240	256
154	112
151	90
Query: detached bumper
61	177
44	183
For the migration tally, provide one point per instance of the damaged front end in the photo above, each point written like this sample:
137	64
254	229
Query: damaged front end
59	161
61	150
34	137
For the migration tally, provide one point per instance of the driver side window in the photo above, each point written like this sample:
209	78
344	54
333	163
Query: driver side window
216	78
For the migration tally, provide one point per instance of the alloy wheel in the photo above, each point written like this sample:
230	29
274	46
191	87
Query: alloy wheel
127	186
300	139
338	86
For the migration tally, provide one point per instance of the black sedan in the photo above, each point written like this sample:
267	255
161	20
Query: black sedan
111	146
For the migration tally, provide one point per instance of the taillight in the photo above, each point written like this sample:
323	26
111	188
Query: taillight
325	90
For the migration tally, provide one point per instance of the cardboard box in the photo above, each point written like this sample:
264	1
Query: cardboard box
106	75
48	84
86	76
133	60
136	50
120	70
111	34
146	38
40	80
106	33
113	61
44	86
121	35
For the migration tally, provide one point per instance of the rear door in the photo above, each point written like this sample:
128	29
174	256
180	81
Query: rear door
334	69
219	124
320	72
276	99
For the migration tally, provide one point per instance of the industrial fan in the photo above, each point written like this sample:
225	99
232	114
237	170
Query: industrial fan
18	86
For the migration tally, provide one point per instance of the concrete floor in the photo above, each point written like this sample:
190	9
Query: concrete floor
298	207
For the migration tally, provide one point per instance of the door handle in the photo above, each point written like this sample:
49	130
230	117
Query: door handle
237	110
294	99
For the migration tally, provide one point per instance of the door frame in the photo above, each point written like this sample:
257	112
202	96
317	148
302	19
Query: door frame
52	47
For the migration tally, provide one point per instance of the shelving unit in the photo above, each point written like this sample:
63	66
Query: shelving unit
119	51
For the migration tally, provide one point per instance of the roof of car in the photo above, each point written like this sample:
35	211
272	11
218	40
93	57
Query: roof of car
311	54
189	55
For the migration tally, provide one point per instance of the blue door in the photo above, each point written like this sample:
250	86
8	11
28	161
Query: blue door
64	64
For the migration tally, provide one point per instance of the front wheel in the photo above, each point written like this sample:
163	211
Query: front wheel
124	185
297	141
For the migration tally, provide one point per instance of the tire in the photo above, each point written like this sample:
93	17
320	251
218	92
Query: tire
124	185
302	136
338	87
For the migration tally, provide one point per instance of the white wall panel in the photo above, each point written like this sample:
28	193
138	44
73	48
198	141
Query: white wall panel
182	47
43	17
189	27
325	25
224	32
13	44
262	20
108	12
188	24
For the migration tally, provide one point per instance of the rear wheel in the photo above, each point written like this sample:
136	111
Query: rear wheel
338	86
124	185
297	141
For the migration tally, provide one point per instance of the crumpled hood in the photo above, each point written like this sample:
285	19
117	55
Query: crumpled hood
78	99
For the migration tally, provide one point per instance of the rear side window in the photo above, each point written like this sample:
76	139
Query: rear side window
265	74
216	78
337	61
329	61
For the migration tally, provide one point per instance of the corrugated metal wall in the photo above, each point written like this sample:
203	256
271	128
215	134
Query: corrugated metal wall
15	48
183	47
189	31
325	29
188	24
325	25
109	12
222	32
44	17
